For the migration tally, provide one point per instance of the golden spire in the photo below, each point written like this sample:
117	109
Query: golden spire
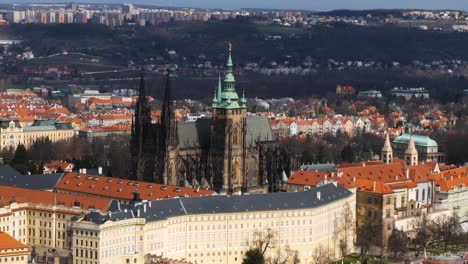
230	46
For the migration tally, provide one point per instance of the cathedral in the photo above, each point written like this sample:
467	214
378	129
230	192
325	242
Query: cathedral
230	152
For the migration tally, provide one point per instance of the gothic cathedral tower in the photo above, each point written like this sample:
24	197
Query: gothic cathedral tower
228	135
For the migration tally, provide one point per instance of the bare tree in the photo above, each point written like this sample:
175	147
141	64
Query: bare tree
321	255
264	240
446	229
368	236
287	256
346	227
398	243
422	229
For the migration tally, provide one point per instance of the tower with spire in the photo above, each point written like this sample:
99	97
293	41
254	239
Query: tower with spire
166	140
411	153
142	142
387	151
228	134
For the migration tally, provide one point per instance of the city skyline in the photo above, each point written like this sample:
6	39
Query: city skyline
317	5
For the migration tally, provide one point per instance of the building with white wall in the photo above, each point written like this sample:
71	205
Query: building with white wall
214	229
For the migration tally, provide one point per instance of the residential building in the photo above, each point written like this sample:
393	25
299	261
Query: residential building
42	218
215	229
410	93
370	94
12	133
452	191
58	166
345	90
12	251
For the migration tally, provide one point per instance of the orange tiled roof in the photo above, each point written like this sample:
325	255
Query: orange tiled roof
365	185
303	177
56	164
123	189
420	173
8	242
393	172
21	195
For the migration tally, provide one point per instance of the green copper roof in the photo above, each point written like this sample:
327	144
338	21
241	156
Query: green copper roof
422	141
228	98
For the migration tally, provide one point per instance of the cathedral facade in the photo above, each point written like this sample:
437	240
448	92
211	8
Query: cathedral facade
230	152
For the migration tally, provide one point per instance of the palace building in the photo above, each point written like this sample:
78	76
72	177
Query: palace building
216	229
230	152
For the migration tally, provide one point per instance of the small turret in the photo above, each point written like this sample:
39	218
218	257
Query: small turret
387	151
411	153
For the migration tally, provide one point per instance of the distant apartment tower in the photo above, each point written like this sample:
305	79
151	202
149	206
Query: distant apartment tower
43	18
60	17
127	9
16	16
81	18
72	6
51	18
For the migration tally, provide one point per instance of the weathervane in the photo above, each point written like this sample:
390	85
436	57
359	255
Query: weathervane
230	47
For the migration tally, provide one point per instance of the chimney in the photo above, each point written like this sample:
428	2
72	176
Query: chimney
333	174
407	173
84	170
354	179
136	195
99	170
373	186
318	195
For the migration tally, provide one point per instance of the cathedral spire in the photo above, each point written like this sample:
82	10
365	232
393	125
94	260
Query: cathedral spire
229	80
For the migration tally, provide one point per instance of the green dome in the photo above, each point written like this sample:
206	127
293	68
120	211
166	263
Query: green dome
421	141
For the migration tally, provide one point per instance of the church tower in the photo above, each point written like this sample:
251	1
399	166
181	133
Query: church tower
142	143
228	135
387	151
167	140
411	153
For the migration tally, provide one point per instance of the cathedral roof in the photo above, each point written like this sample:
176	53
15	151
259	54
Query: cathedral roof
197	134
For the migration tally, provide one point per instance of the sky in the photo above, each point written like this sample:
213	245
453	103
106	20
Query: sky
320	5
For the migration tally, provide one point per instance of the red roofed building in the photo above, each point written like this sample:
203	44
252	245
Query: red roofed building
58	166
452	191
123	190
42	218
12	251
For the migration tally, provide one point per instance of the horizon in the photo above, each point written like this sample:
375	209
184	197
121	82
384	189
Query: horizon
308	5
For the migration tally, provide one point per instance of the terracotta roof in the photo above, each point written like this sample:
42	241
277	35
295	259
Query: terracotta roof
21	195
453	183
368	186
420	173
393	172
56	164
8	242
124	189
311	178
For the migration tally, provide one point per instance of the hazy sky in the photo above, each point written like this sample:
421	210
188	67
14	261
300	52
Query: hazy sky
319	4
